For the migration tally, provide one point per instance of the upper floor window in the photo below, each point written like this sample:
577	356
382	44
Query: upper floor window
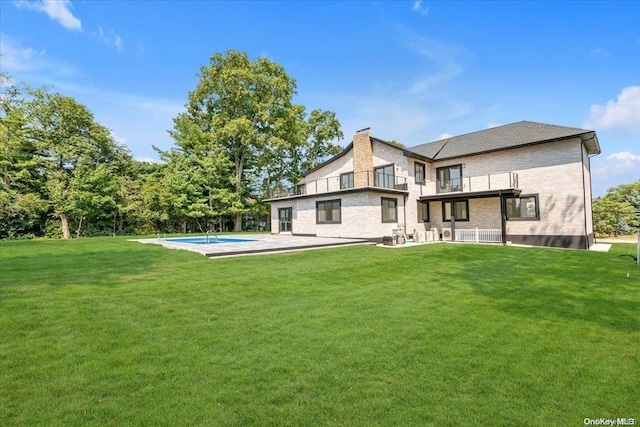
523	207
384	176
460	210
419	170
389	210
449	179
346	180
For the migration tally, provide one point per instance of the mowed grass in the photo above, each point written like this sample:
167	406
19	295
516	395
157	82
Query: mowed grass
109	332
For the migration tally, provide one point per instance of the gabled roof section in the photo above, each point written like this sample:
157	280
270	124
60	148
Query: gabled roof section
326	162
504	137
406	151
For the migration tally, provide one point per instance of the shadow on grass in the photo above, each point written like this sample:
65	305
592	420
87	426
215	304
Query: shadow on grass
83	262
562	285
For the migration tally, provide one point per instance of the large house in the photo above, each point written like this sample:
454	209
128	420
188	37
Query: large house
525	183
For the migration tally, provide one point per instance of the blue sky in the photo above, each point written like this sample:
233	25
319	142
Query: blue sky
413	71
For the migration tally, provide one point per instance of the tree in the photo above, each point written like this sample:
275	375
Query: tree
243	110
80	157
21	200
618	211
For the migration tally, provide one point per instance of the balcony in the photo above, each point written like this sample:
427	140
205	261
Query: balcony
478	183
345	182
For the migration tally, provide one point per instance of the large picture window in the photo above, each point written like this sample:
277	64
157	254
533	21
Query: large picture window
346	180
389	210
328	212
523	207
449	179
460	210
423	211
419	170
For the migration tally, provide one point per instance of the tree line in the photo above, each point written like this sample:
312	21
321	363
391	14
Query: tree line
617	213
240	138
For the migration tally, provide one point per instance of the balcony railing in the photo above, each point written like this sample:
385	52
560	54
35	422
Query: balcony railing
344	182
494	181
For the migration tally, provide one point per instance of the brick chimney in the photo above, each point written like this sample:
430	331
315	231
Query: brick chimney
362	158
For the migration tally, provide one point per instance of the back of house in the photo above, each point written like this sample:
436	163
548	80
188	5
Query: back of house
524	183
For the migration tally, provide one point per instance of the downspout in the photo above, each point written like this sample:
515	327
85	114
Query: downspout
503	219
584	197
453	220
405	214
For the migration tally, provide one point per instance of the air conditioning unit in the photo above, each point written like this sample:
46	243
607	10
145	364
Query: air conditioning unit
447	234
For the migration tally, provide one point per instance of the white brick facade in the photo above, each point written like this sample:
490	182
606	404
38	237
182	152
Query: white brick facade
557	173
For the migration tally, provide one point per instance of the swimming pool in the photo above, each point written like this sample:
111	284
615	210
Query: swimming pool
210	240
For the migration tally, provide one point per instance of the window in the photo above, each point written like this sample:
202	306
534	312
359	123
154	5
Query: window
389	210
461	210
384	177
423	211
449	179
419	172
328	212
346	180
523	207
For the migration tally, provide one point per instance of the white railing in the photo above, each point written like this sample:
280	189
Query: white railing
478	235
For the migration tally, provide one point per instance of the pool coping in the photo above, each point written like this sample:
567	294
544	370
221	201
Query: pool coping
260	244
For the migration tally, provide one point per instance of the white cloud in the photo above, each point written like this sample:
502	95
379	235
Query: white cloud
417	7
613	170
118	43
21	59
58	10
493	125
140	48
444	136
621	114
110	39
443	61
625	159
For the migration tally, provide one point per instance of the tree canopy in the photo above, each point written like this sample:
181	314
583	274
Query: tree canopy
618	211
243	110
240	136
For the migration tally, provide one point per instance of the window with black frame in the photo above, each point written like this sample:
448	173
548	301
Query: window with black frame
449	179
419	171
460	210
423	211
523	208
384	176
346	180
328	212
389	210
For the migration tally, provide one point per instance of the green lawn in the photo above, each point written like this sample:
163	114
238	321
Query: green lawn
109	332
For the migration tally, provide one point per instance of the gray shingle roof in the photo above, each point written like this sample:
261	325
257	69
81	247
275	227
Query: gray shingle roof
500	138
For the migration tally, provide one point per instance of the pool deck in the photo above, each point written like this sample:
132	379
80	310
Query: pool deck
264	244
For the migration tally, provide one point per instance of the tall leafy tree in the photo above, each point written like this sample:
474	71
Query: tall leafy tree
80	157
243	110
21	200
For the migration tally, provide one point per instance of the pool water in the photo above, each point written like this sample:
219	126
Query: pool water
212	240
